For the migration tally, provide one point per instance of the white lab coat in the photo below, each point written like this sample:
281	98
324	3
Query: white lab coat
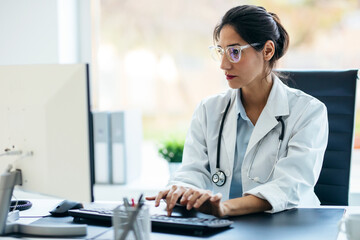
300	157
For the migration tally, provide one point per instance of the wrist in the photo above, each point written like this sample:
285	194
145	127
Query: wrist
225	209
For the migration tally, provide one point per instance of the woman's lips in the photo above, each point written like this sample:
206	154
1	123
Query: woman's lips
229	77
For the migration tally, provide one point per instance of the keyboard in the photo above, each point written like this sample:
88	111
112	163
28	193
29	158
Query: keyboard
158	221
190	223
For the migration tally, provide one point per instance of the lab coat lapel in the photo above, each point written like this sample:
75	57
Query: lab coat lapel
264	124
277	105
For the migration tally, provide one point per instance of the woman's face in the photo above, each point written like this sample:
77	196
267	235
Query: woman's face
249	71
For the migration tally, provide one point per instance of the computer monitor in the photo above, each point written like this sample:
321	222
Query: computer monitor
45	114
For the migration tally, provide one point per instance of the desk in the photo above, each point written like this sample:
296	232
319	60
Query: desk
302	223
295	224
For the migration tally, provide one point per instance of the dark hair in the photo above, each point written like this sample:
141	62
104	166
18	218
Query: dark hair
256	25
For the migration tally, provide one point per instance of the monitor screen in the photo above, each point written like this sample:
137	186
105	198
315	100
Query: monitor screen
45	114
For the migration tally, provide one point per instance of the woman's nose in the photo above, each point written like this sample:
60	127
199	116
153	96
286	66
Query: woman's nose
225	64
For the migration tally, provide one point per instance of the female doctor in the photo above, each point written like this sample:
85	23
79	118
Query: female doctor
260	145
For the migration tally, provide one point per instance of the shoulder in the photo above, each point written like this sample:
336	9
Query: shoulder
212	107
218	100
300	99
305	109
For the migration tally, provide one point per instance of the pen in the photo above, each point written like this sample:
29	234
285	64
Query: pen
132	202
126	203
140	198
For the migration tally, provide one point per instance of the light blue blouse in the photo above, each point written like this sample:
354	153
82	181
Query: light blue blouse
244	131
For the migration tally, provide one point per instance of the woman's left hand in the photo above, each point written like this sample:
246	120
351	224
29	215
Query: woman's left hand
204	201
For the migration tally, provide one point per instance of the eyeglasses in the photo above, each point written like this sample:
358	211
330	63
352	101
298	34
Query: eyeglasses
233	53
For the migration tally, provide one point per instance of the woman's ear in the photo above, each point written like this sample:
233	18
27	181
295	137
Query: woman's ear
268	50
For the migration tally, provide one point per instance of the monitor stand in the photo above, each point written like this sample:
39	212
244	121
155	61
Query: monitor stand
8	180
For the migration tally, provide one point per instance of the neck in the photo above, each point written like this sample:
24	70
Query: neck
254	96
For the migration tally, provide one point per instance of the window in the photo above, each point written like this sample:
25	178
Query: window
154	56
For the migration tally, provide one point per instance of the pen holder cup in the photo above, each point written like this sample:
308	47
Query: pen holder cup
128	227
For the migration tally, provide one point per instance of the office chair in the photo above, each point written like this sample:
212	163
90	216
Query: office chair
337	90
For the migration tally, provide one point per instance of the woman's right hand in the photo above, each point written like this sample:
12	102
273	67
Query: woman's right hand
202	200
171	195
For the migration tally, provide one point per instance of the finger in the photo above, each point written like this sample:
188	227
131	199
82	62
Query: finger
169	211
186	195
204	197
192	199
216	197
160	196
175	196
152	198
170	192
169	195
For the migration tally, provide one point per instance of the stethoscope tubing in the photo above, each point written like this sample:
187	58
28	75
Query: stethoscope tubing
220	133
256	179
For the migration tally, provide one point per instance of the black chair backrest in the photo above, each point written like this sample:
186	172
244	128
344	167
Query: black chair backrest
337	90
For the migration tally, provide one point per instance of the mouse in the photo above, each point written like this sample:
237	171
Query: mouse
180	210
61	210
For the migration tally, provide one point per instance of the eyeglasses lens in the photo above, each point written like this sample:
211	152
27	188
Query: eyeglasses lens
216	53
234	54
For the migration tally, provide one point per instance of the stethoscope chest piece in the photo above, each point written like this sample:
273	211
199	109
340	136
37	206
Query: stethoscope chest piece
219	178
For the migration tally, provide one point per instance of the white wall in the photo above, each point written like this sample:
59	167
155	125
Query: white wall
45	31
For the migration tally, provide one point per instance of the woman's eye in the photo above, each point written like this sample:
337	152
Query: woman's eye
235	51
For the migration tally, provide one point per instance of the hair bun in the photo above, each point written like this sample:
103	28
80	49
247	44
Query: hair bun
275	17
283	40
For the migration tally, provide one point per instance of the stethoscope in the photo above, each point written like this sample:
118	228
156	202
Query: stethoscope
219	178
